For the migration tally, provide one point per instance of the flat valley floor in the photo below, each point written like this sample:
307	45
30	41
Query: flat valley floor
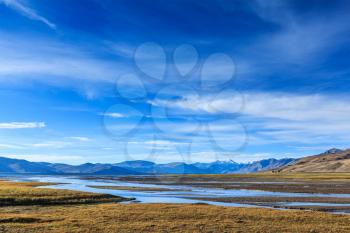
26	208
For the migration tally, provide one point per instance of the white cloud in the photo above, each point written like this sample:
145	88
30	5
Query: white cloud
297	107
18	6
22	125
51	158
160	142
51	144
81	139
278	117
55	63
225	102
273	105
211	156
59	144
113	115
10	146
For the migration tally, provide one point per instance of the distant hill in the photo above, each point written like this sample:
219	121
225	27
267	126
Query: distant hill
19	166
8	165
138	167
333	160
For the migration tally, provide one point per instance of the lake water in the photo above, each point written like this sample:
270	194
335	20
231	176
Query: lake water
178	194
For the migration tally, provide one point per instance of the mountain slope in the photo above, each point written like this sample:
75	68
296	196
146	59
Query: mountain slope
266	164
220	167
114	170
333	160
91	168
178	168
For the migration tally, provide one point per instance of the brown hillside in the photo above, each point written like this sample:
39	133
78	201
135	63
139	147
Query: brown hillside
333	160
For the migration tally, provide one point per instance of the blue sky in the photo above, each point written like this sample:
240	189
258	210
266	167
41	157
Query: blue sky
107	81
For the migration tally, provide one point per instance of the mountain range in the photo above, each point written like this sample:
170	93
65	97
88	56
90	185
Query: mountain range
333	160
139	167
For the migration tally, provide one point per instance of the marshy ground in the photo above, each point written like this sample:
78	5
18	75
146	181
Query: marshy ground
311	183
326	183
25	208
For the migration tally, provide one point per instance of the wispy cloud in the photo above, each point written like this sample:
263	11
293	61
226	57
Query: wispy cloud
10	146
263	104
107	148
298	41
51	144
22	125
18	6
67	142
113	115
278	117
123	50
81	139
57	158
56	64
317	37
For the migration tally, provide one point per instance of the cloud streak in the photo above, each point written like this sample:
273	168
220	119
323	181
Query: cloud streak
27	12
113	115
22	125
81	139
56	64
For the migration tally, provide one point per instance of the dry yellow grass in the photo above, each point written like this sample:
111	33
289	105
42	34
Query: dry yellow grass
165	218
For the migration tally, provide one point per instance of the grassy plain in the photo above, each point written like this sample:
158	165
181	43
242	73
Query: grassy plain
46	210
165	218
